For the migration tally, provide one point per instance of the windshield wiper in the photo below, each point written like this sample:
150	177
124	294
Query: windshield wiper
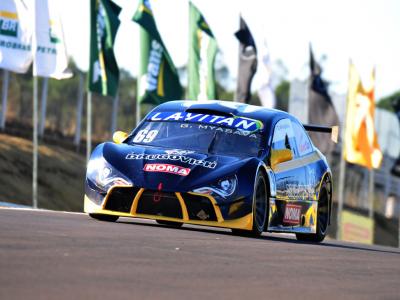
212	142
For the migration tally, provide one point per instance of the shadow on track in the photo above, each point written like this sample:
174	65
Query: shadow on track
266	236
332	245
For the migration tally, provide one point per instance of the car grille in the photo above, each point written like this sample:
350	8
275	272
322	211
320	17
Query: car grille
159	203
121	199
199	207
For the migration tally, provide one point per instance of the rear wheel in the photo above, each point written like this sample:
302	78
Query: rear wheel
107	218
170	223
322	217
260	208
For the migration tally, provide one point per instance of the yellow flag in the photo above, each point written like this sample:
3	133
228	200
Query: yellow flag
361	142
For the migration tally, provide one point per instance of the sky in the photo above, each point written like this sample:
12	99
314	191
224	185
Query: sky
367	32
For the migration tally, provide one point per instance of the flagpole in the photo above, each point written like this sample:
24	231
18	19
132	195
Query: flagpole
342	176
398	189
342	171
236	94
144	57
35	143
114	114
77	139
143	36
43	106
6	76
371	189
137	104
89	126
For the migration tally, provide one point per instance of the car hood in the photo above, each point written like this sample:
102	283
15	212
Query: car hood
145	166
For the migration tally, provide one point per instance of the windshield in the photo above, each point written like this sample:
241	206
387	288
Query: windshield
198	137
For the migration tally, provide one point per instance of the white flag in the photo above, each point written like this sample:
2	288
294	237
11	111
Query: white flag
266	92
15	36
49	53
267	96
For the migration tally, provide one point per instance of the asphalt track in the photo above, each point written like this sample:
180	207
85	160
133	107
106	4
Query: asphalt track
53	255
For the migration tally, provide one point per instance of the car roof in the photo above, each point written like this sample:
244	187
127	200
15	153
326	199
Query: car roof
266	115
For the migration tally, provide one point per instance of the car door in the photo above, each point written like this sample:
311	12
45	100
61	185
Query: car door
307	154
290	175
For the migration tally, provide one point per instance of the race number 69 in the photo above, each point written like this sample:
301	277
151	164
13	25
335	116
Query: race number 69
145	136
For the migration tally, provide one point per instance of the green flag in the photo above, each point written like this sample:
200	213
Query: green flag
158	77
103	68
202	51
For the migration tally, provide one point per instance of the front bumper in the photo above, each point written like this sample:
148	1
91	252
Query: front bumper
190	208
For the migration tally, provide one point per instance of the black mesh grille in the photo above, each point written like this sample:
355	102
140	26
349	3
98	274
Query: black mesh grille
121	199
199	207
159	204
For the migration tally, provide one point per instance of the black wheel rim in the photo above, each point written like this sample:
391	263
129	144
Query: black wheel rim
260	205
323	211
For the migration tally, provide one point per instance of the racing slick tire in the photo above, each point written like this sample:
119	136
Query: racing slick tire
102	217
260	208
170	223
322	216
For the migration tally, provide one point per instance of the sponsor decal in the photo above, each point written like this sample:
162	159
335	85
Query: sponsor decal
14	45
203	215
8	23
304	147
223	130
178	151
174	157
55	32
300	192
167	168
357	228
153	68
292	214
98	65
234	122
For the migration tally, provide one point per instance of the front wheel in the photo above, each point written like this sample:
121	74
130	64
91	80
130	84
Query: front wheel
322	217
102	217
260	208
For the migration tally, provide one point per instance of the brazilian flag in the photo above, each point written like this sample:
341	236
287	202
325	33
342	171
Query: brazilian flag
158	77
103	69
202	51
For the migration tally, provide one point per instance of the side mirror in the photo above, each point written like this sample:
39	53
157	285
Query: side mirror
119	137
279	156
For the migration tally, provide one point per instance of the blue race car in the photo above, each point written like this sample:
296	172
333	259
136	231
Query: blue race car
214	163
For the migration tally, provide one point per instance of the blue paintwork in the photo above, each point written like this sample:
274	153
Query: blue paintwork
200	176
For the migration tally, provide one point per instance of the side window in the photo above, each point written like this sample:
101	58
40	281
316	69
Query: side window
284	137
303	142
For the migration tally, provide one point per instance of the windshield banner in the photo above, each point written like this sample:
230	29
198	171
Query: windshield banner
231	121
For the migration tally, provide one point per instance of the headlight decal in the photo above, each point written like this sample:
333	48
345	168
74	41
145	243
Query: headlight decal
224	187
104	176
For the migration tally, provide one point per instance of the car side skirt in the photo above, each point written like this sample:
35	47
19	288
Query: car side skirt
307	219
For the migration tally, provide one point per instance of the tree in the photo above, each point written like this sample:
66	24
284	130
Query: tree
282	95
386	102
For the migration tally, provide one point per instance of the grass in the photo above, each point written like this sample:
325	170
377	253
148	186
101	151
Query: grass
61	175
